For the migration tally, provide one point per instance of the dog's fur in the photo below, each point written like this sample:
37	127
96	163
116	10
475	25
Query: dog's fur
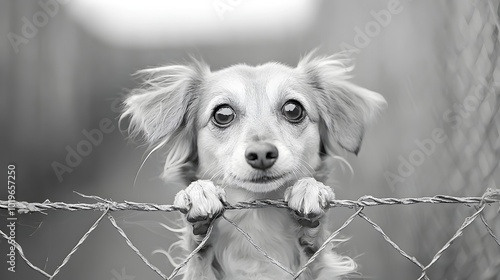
174	110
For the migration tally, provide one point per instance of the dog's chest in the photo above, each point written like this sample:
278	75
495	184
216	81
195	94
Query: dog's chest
271	229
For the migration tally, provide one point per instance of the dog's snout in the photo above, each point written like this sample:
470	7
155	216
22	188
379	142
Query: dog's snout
261	155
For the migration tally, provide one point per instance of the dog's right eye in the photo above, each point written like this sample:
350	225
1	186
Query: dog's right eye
223	115
293	111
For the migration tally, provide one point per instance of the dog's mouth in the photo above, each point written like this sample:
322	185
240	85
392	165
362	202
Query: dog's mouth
262	183
264	179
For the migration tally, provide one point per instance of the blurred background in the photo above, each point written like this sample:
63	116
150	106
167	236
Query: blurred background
65	65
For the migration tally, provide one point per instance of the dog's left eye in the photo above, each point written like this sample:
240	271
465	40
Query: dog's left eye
223	115
293	111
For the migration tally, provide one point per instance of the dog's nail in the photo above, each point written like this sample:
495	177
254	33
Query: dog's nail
201	228
308	223
298	213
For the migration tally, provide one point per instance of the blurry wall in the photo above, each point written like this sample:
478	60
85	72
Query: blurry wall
62	76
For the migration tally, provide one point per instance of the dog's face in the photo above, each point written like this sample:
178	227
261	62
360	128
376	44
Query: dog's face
258	128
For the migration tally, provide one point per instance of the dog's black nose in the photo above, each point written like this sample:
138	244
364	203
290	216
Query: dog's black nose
261	155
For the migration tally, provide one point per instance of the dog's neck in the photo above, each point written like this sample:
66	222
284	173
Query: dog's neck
237	194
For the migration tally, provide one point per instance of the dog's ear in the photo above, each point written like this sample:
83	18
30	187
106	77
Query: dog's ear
163	110
344	108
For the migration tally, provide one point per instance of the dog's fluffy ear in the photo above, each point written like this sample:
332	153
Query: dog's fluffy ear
344	108
163	110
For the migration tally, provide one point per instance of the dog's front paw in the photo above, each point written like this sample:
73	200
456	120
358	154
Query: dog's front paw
308	199
201	201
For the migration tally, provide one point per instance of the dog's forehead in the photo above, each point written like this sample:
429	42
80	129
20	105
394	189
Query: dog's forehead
245	83
248	71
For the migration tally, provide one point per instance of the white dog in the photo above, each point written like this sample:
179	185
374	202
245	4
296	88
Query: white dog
245	133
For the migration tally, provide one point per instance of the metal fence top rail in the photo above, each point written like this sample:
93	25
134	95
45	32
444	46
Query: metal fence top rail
490	196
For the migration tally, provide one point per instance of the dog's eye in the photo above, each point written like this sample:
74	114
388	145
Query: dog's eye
223	115
293	111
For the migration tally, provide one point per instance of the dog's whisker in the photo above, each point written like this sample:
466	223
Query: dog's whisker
222	181
216	177
302	173
294	173
211	167
308	166
344	161
147	157
299	171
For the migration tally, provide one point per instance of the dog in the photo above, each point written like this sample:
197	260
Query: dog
245	133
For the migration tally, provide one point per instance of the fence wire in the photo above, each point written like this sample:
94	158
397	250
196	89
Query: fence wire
491	196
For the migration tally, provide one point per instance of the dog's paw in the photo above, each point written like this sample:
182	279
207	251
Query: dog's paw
308	199
201	201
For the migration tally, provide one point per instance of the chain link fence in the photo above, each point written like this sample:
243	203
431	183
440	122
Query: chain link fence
469	162
107	206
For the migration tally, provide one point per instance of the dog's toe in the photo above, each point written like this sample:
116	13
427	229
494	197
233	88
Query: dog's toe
202	202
